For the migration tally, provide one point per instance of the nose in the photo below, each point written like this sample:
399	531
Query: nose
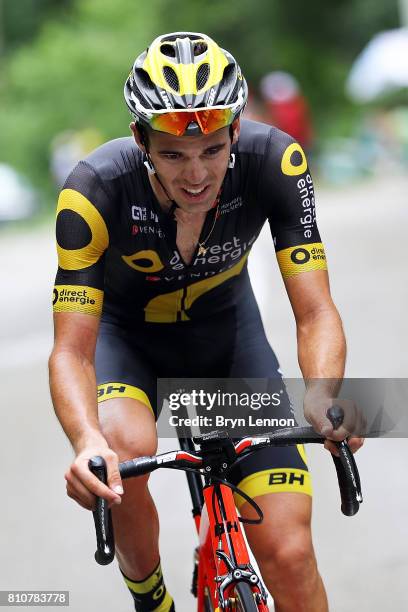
195	172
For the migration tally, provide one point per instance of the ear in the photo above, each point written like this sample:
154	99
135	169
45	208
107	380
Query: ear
236	127
137	136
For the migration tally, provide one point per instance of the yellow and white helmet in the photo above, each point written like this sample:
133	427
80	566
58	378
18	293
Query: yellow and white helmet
185	83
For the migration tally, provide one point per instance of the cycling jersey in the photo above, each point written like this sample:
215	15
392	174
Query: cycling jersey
118	258
117	249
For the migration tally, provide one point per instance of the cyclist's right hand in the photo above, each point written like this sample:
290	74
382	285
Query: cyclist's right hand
83	486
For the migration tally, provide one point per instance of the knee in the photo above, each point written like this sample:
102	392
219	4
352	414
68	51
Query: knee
130	433
291	557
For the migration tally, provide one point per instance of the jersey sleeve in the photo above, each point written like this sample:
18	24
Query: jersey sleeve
288	194
82	237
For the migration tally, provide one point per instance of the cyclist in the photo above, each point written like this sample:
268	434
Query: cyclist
153	234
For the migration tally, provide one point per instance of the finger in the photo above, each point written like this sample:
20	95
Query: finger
331	446
79	500
80	490
339	434
92	483
86	502
355	444
321	424
114	479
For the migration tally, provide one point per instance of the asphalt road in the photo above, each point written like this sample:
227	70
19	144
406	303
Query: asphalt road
47	542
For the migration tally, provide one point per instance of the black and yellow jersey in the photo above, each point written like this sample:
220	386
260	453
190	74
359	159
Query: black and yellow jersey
117	250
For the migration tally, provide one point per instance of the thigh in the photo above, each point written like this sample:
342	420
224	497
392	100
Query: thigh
271	471
285	529
122	369
126	394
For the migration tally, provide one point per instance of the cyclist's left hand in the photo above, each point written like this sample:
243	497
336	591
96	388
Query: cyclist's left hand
316	405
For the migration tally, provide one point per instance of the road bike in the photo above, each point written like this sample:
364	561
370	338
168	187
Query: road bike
223	578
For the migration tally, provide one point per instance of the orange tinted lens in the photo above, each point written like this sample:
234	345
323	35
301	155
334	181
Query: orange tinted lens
176	123
172	123
212	120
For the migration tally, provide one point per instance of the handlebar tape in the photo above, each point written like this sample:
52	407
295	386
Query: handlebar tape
105	551
349	480
137	467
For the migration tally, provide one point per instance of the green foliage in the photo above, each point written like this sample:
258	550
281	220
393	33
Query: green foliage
20	20
71	78
71	75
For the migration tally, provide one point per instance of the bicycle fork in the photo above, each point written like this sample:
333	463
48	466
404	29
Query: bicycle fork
223	558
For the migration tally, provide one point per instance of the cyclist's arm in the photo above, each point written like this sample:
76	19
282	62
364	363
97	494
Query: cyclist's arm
72	378
73	391
321	354
82	239
320	336
287	189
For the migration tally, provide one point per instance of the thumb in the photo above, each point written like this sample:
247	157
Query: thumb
326	428
114	479
322	425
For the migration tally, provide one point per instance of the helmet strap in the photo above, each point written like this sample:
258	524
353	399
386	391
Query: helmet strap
152	172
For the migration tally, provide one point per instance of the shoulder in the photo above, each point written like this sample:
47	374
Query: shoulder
262	139
278	154
103	170
114	158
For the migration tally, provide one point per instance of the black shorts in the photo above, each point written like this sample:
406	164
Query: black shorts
231	344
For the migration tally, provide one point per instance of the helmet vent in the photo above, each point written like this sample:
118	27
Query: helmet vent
229	75
143	79
168	50
200	48
171	78
234	94
202	75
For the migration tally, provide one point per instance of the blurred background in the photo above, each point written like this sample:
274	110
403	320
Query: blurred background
334	75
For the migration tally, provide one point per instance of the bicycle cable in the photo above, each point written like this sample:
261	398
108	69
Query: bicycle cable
251	502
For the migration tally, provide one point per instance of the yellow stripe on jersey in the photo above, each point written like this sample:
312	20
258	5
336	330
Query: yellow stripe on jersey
78	259
112	390
169	307
275	480
301	258
77	298
302	452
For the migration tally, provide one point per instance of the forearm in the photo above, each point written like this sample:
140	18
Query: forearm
322	349
73	392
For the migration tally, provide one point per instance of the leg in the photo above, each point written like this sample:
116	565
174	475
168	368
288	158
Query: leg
282	546
129	427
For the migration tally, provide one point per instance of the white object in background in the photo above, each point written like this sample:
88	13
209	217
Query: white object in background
381	67
17	198
279	86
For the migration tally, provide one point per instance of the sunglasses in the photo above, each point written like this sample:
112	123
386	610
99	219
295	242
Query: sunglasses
209	120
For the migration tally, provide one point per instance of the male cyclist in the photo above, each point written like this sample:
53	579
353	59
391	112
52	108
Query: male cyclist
153	235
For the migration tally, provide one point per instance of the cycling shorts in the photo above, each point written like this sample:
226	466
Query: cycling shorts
231	344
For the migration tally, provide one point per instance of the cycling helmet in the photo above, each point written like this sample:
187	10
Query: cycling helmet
185	83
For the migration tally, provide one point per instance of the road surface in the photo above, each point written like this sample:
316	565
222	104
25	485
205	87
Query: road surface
47	542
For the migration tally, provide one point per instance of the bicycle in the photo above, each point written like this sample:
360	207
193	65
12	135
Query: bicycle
223	578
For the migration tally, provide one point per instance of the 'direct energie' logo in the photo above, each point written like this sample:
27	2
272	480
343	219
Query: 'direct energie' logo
72	298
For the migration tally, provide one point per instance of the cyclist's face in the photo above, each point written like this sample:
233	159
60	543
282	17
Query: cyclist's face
192	168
